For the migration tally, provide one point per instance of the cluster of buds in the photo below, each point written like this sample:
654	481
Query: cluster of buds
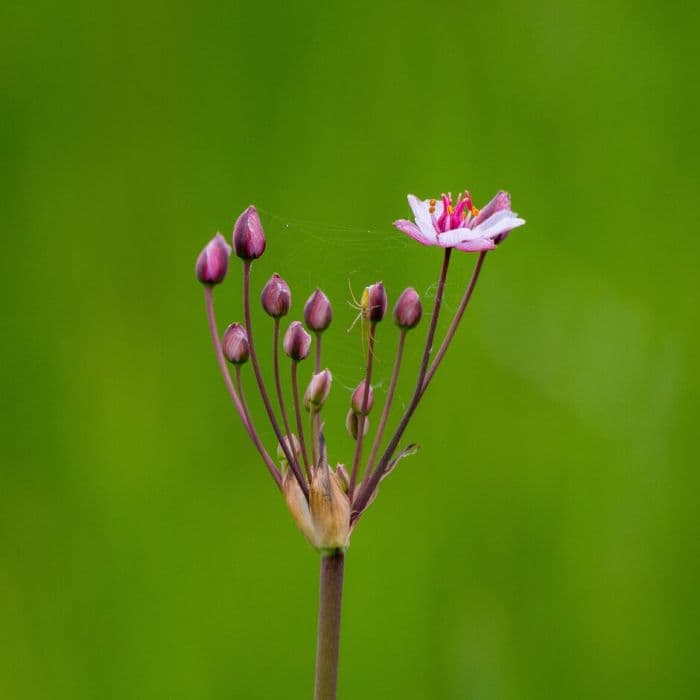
326	502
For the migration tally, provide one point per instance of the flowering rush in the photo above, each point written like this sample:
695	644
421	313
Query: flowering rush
460	224
325	501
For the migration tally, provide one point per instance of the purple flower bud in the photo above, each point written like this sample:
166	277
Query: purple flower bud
358	397
374	302
317	312
352	423
276	297
318	390
408	310
235	344
296	341
248	235
212	263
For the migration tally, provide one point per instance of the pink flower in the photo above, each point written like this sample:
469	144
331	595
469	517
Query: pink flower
462	225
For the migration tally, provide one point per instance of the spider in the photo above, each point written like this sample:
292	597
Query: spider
362	308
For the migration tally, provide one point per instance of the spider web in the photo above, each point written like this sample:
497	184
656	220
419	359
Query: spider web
353	257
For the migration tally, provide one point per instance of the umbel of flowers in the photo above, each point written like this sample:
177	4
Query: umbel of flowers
325	500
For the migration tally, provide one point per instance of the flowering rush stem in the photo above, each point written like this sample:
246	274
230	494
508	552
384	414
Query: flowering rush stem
328	638
324	501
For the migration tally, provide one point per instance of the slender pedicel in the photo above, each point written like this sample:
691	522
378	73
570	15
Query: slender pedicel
317	366
387	406
455	322
252	433
317	369
375	478
314	398
278	382
300	426
293	465
362	415
241	394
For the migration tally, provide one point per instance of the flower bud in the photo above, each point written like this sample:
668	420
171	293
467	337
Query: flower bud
296	341
374	302
318	390
408	310
276	298
292	445
212	263
352	423
235	344
248	235
358	397
318	313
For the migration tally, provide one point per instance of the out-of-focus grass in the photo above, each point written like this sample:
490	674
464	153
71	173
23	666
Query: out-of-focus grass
544	540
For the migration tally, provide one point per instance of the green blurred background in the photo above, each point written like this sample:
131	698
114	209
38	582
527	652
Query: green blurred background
544	542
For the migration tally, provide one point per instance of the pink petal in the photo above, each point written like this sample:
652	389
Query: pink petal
500	202
414	232
476	245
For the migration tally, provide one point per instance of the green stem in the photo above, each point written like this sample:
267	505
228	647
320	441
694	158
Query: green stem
328	642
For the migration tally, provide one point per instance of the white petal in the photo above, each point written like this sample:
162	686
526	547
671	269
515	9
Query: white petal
422	215
457	235
497	224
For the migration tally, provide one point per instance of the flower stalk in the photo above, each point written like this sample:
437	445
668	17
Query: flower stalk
328	637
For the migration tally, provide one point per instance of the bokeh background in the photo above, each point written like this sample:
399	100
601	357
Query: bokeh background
544	542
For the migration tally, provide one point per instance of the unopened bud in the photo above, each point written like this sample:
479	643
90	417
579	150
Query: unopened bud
352	423
296	341
374	302
318	390
408	310
248	235
235	344
291	443
212	263
318	313
358	397
276	297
